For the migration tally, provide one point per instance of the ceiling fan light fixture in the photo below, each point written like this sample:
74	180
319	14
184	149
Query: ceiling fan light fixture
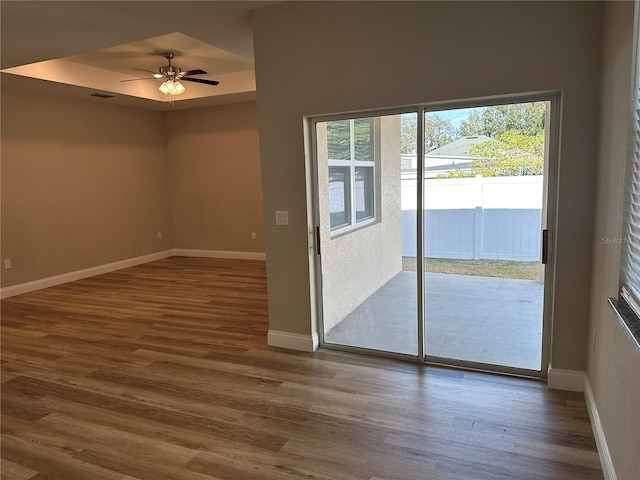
179	87
172	87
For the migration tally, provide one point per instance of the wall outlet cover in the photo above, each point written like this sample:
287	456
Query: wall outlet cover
282	217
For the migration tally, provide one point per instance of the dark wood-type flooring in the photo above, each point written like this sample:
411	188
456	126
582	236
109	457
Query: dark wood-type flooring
162	372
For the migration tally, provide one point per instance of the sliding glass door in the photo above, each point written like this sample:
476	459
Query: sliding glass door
428	233
484	208
365	185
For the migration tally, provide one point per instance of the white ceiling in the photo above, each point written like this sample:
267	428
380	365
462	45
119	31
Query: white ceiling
77	48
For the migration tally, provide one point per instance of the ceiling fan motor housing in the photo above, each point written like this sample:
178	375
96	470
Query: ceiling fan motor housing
170	71
172	74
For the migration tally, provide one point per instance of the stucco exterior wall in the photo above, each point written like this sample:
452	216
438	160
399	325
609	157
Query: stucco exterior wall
357	263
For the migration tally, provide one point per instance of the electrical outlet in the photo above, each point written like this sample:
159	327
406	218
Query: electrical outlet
159	235
253	235
7	263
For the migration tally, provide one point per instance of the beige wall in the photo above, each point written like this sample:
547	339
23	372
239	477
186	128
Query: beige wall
614	364
83	184
87	183
315	57
214	177
356	264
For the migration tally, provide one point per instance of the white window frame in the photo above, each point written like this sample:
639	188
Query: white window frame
352	164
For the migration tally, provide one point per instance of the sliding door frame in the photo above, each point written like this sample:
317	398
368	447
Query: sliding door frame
314	236
552	148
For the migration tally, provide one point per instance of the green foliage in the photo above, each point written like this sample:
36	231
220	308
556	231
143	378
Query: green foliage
437	132
408	133
517	145
511	153
526	118
516	132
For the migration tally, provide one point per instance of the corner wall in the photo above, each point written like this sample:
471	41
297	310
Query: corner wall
214	177
613	362
325	57
83	184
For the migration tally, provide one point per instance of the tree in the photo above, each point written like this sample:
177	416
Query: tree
517	140
526	118
408	133
511	153
473	125
437	132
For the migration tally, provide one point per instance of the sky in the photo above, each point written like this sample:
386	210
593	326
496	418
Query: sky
456	116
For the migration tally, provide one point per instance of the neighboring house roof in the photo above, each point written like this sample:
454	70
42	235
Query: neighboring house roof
458	148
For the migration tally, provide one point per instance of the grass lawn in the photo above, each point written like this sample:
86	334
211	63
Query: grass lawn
481	268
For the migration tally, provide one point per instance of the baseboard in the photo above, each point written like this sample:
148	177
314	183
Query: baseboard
292	341
601	441
47	282
571	380
188	252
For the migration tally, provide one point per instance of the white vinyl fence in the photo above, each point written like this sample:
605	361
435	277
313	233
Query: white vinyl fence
496	218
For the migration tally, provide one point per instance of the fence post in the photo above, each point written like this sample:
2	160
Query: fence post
477	226
477	234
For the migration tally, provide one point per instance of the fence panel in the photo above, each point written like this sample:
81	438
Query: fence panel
511	234
495	218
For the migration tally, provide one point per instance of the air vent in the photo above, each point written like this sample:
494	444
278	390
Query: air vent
101	95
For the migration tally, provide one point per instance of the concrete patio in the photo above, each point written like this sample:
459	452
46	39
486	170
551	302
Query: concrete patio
496	321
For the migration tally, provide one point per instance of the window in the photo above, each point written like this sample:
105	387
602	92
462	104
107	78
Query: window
339	196
351	173
630	258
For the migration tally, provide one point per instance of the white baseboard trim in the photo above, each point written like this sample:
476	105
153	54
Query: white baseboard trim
292	341
47	282
601	441
571	380
188	252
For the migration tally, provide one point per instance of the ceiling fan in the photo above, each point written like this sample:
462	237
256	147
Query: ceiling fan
172	76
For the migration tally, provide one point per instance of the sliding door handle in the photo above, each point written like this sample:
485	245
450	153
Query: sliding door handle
545	246
318	240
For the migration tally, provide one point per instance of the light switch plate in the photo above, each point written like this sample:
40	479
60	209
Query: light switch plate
282	217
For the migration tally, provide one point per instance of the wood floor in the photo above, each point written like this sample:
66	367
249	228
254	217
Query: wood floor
162	372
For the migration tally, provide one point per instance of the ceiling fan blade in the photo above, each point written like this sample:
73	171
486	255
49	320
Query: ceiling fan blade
200	80
143	70
193	72
134	79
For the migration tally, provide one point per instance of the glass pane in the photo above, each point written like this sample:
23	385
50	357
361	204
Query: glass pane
483	210
339	197
364	193
369	277
339	140
363	144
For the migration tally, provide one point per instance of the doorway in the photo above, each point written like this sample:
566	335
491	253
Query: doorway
463	283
